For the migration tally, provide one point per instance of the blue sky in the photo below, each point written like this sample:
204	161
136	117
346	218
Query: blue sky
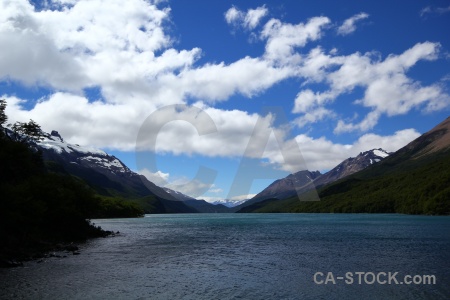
320	81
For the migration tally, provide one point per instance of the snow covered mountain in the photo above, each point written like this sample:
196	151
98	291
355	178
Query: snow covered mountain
105	173
178	195
352	165
111	177
305	180
53	144
228	202
199	204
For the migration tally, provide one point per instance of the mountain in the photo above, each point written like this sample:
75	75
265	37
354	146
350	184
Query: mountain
229	203
288	186
107	175
104	172
351	165
284	188
200	205
206	207
432	142
178	195
413	180
303	181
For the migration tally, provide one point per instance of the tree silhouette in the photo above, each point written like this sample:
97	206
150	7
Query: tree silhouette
30	130
3	116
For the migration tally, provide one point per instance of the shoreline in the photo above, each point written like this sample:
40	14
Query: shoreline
41	249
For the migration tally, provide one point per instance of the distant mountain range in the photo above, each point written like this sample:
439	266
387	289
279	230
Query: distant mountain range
110	177
413	180
303	181
368	175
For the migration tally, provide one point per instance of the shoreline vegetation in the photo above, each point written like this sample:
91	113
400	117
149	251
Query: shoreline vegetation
41	210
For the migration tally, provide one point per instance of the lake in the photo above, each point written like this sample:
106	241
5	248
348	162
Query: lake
247	256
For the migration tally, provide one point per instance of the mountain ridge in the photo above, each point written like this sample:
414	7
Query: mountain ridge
303	181
110	177
413	180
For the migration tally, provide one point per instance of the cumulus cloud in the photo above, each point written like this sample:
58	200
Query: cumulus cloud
159	178
387	88
233	128
219	81
128	55
233	15
91	46
283	38
254	16
248	20
349	25
314	116
242	197
192	188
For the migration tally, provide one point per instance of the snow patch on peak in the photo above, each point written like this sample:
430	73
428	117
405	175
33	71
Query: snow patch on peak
82	155
226	202
380	152
55	142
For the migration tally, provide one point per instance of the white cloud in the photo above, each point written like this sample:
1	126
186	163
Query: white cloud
254	16
387	88
349	25
159	178
91	40
219	81
248	20
314	116
233	15
434	10
215	190
368	123
190	187
242	197
127	54
234	129
307	100
79	121
283	38
193	188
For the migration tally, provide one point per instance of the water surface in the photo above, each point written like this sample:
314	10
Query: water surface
244	256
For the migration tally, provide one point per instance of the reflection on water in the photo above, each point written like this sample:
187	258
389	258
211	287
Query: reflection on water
243	256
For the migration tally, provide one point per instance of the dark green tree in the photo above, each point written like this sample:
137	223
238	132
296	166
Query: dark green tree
30	130
3	116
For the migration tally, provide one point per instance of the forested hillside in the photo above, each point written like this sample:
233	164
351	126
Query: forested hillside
39	208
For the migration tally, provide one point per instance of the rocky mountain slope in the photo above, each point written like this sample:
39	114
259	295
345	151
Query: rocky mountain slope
104	172
110	177
352	165
413	180
199	204
289	185
303	181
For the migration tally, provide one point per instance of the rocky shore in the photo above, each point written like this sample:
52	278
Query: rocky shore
39	251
